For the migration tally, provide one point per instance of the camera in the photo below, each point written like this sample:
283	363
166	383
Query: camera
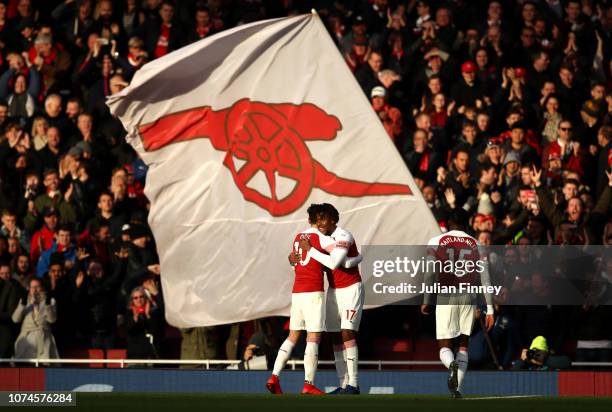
537	356
258	351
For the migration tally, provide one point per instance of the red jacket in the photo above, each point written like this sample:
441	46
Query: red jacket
44	237
530	139
569	161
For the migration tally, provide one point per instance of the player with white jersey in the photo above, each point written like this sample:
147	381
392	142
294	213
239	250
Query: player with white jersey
455	310
307	306
344	297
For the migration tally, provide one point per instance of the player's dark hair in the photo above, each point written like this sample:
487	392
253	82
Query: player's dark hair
329	211
313	212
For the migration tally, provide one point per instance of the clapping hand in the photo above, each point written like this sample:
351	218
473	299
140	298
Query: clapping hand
449	194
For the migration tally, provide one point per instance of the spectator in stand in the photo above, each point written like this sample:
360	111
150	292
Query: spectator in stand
105	24
434	66
14	247
10	292
493	154
483	121
516	114
163	35
574	225
10	229
367	75
472	143
539	71
551	118
22	101
36	312
42	240
22	269
62	244
135	59
390	116
144	326
487	73
202	26
569	92
439	111
132	17
434	87
517	144
52	197
40	126
51	61
50	154
75	18
142	261
458	177
509	178
469	91
421	159
568	150
105	215
95	299
61	287
54	115
397	56
603	155
74	108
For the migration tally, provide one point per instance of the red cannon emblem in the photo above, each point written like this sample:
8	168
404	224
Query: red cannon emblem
268	138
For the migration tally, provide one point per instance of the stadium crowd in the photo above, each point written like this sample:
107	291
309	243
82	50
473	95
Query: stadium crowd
500	109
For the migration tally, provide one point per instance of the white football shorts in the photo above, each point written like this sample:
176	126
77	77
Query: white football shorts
344	307
455	317
307	311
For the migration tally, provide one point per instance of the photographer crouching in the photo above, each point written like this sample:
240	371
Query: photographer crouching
539	358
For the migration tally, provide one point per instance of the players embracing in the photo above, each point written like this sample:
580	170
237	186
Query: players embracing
324	248
345	294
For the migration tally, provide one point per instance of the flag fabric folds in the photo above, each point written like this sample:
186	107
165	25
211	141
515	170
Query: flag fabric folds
242	131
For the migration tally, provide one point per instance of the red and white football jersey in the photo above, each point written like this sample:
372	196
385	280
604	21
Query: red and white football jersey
454	246
342	277
309	272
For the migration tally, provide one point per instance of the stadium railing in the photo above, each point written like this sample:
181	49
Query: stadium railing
207	363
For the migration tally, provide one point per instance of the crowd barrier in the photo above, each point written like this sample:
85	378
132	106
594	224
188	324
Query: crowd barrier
489	383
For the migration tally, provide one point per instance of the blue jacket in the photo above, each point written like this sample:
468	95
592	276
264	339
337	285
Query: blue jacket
45	259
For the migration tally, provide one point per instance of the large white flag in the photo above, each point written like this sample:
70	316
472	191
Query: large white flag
241	132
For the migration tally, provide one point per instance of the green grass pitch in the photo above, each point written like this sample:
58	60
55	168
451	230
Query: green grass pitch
173	402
